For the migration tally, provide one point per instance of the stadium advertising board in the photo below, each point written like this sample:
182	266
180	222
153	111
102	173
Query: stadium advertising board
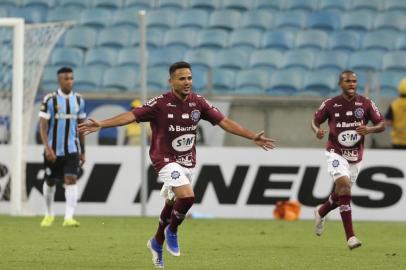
229	182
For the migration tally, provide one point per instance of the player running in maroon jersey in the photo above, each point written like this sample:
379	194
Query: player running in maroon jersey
173	117
348	115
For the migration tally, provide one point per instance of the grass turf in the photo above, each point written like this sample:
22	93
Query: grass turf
120	243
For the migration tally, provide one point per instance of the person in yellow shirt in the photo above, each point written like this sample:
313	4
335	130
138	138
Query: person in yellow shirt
396	118
133	130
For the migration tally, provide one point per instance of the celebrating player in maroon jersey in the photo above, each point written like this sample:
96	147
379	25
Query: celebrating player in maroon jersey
173	117
348	115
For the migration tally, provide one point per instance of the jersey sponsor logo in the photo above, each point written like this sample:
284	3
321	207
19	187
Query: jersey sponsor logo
65	116
349	138
192	104
337	105
185	116
348	125
182	129
348	113
185	160
195	115
358	103
336	115
170	115
184	143
350	154
170	105
359	113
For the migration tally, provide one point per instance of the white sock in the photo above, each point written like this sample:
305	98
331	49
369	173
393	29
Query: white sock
71	196
49	194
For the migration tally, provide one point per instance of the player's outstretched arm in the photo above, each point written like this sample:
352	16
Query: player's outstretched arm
259	139
92	125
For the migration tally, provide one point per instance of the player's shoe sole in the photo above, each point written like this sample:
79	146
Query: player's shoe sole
157	259
47	221
319	222
353	242
70	223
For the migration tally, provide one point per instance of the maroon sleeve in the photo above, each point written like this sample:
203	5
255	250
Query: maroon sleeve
209	112
321	114
374	114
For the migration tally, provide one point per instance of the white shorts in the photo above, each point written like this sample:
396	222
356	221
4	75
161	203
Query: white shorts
337	166
174	175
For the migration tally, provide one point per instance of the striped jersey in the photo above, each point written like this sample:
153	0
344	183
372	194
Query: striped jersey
63	112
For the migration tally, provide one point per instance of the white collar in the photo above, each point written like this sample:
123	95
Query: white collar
63	94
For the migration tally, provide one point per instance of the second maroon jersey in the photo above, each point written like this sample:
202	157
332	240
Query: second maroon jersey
174	124
344	116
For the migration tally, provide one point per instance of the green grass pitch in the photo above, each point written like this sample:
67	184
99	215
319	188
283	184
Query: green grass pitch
120	243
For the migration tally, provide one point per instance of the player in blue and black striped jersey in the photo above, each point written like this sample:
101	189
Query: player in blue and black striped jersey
64	152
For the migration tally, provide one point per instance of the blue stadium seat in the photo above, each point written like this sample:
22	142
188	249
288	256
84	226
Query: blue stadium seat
200	78
49	76
232	59
280	40
201	57
173	4
394	61
224	19
240	5
114	37
129	56
389	81
307	5
212	38
3	12
206	4
142	4
257	19
267	59
295	19
360	20
96	18
398	5
366	60
192	18
154	38
126	17
251	81
299	59
245	38
344	40
223	80
179	37
285	81
161	19
71	57
166	56
271	5
31	13
101	56
341	5
81	37
332	60
379	40
89	78
76	3
65	13
311	39
9	4
157	79
108	4
373	5
322	81
45	4
391	20
401	43
325	20
120	78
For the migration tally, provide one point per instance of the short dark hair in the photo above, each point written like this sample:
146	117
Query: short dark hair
178	65
345	72
64	70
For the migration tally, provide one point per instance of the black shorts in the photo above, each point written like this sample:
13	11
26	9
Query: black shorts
64	165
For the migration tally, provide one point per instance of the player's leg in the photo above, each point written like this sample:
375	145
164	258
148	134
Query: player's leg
52	172
71	169
164	220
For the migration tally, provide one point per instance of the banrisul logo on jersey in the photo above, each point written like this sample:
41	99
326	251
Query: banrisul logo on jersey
349	138
183	143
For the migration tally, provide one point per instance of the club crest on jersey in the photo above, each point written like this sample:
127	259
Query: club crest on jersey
195	115
175	175
359	113
335	163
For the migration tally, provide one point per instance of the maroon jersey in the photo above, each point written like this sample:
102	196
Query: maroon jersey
344	116
173	124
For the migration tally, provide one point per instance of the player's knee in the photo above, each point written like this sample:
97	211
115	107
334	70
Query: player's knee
49	181
70	179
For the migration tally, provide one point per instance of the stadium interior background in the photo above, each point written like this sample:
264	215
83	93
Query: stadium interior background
272	62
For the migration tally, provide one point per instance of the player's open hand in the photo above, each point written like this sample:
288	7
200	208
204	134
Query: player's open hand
89	126
362	130
320	133
264	142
